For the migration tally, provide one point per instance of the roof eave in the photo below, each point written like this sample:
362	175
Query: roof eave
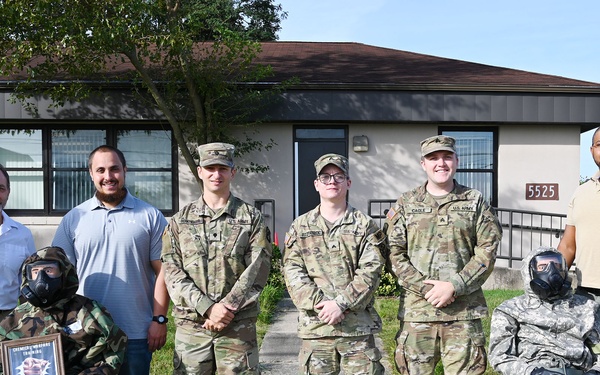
442	87
591	89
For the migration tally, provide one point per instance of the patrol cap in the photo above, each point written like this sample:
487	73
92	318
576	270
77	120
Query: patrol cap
216	154
437	143
338	160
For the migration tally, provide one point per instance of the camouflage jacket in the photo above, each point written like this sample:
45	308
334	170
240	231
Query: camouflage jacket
216	257
527	332
342	264
452	239
92	343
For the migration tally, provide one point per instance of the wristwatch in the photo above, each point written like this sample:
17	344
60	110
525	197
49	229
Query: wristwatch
160	319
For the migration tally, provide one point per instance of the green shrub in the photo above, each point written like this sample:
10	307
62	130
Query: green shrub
276	279
388	286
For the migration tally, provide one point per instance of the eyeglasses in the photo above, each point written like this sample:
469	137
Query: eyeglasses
338	178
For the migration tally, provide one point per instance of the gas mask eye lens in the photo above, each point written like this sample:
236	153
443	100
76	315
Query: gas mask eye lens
51	269
544	265
543	261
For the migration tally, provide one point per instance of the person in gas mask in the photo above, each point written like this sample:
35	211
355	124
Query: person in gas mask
92	343
548	330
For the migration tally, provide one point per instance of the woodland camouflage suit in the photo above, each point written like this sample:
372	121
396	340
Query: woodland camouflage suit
92	343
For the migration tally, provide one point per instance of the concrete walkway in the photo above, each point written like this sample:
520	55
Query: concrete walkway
281	345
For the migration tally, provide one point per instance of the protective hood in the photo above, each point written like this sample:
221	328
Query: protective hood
526	273
70	281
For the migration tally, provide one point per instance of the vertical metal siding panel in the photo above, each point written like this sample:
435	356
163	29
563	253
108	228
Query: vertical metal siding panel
13	110
452	104
467	108
483	108
435	107
530	108
3	101
499	108
577	109
420	107
47	112
562	111
546	109
592	109
404	106
514	109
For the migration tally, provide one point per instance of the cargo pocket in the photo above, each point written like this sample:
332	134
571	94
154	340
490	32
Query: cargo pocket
304	359
177	367
252	361
374	356
399	354
478	354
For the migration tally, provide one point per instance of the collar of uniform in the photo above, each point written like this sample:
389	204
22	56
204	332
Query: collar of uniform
347	219
458	192
230	208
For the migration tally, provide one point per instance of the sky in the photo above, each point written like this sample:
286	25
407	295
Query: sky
543	36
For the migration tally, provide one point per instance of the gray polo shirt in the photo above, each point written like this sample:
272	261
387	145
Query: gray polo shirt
112	250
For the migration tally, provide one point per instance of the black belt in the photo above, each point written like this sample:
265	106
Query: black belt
593	291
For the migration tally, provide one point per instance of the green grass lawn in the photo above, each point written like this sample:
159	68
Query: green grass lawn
388	310
162	360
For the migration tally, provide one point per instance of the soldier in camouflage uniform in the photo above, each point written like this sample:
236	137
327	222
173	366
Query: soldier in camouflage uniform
332	267
91	342
217	260
442	240
548	330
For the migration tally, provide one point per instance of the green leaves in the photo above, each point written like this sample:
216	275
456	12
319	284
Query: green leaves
193	58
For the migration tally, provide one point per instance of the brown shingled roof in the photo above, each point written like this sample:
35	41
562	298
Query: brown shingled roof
356	63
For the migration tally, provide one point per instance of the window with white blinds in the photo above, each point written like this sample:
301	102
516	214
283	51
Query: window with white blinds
476	150
48	167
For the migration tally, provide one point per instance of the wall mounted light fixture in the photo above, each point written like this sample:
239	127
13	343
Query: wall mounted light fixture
360	143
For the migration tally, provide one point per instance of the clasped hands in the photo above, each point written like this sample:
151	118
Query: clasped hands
441	294
219	317
330	313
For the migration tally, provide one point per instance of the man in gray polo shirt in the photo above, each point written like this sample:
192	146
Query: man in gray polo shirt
114	240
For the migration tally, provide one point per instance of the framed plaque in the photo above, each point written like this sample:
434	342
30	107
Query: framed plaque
40	355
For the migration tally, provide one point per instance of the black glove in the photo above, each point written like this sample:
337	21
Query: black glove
543	371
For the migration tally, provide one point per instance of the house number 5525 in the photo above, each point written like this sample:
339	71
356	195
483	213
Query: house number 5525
547	192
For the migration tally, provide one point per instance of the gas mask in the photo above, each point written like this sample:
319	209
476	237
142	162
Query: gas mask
549	275
44	281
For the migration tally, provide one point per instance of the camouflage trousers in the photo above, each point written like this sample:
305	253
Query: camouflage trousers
459	344
355	355
232	351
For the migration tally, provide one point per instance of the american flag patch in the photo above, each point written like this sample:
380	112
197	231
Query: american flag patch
390	214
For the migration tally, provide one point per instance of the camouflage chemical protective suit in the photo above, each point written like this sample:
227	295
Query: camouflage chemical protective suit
91	342
342	264
452	239
527	331
211	257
